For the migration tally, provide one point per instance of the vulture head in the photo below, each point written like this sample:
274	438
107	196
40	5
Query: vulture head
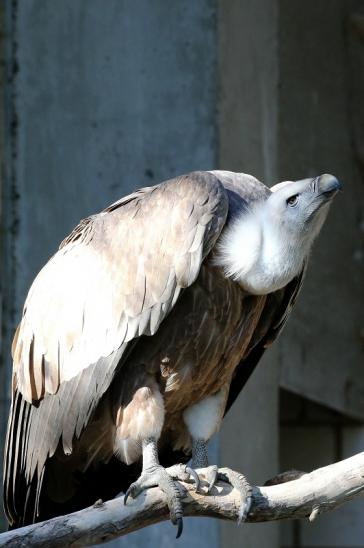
302	206
268	242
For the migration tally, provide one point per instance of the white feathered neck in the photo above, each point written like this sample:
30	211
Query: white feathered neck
258	253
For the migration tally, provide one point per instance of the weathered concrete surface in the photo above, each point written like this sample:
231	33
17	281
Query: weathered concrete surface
7	220
106	98
248	142
321	130
248	72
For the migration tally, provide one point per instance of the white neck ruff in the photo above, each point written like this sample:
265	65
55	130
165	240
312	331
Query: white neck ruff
258	255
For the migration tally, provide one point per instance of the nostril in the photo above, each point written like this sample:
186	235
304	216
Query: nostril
314	184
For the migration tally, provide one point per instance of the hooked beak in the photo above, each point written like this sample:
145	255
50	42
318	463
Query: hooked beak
324	188
327	185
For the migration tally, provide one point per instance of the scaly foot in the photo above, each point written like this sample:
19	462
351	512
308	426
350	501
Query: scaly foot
164	478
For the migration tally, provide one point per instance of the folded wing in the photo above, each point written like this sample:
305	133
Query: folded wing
116	277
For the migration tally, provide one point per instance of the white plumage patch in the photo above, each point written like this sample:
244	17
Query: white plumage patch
204	418
142	418
128	450
239	246
256	252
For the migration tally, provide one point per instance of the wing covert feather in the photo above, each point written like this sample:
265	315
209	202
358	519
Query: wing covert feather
108	281
114	278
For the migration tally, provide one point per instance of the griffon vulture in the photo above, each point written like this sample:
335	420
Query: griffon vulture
139	333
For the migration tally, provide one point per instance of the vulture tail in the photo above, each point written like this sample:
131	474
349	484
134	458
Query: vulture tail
19	494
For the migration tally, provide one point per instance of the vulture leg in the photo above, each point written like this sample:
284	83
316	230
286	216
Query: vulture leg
200	460
203	420
153	474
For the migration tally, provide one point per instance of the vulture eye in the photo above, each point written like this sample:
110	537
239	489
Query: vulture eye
292	201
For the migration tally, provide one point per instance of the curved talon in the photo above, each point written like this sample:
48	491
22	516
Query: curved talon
195	476
127	494
212	480
239	482
244	509
179	523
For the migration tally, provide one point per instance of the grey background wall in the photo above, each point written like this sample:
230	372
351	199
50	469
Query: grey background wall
320	130
98	101
248	113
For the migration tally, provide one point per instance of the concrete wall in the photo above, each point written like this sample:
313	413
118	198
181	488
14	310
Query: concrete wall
321	120
248	72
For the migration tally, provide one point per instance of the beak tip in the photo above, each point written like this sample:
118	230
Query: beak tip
329	183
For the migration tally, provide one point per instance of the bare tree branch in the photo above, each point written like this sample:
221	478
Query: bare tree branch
321	490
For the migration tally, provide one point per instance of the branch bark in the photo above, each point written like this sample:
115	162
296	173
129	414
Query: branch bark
319	491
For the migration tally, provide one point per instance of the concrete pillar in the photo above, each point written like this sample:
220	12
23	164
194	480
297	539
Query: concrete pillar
248	142
102	98
321	130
